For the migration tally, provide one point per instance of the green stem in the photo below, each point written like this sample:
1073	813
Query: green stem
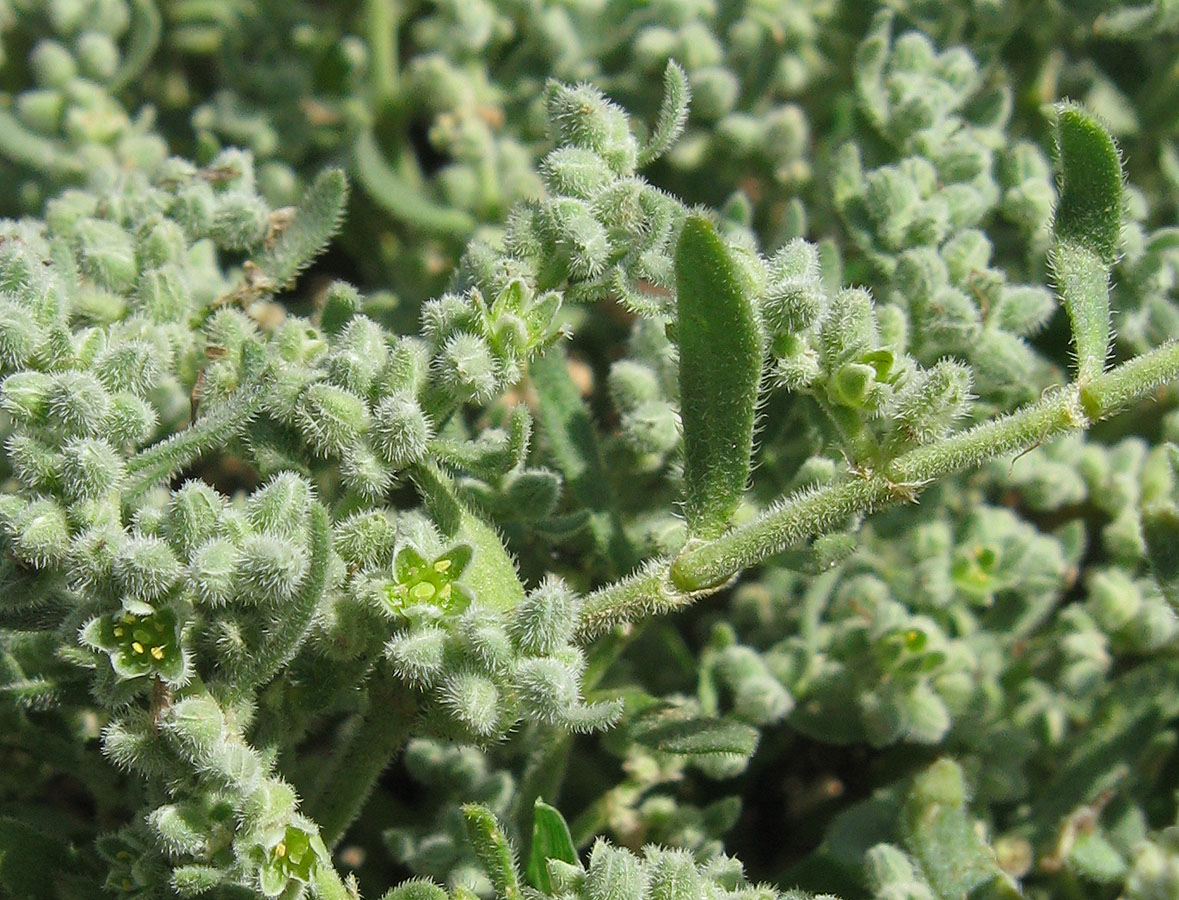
382	17
161	461
405	202
367	750
704	567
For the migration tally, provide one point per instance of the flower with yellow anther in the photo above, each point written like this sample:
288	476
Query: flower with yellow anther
140	645
428	589
293	857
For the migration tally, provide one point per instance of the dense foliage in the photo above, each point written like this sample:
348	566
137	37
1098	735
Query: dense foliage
530	449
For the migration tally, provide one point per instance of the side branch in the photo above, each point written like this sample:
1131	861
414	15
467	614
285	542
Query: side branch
703	568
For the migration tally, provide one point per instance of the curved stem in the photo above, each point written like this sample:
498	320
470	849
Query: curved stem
704	568
382	16
353	772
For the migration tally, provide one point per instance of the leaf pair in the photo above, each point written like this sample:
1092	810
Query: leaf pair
550	840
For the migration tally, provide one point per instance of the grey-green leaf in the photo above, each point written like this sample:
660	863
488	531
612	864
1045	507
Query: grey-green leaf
720	372
940	836
550	840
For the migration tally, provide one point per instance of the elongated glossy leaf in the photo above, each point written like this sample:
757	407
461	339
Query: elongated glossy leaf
550	840
1088	227
720	371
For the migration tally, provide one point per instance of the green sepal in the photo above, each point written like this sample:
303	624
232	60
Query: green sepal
550	840
720	372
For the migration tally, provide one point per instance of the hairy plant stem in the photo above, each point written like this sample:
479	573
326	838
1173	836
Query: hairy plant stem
705	567
365	752
161	461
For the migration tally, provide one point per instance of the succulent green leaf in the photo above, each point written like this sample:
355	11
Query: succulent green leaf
1089	211
550	840
720	372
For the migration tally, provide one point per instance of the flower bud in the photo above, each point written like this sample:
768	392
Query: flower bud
211	572
270	569
90	468
474	701
400	431
146	568
365	540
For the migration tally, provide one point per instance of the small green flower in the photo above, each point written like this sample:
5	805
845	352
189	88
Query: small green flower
142	645
429	589
293	857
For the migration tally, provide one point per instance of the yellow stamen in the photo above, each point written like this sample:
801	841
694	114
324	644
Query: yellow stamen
423	591
118	632
444	591
442	565
157	653
281	850
136	646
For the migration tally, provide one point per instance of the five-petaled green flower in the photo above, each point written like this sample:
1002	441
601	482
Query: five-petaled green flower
429	589
142	645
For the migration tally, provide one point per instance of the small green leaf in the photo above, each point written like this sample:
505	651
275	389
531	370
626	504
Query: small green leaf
720	371
493	851
1088	226
317	218
550	840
